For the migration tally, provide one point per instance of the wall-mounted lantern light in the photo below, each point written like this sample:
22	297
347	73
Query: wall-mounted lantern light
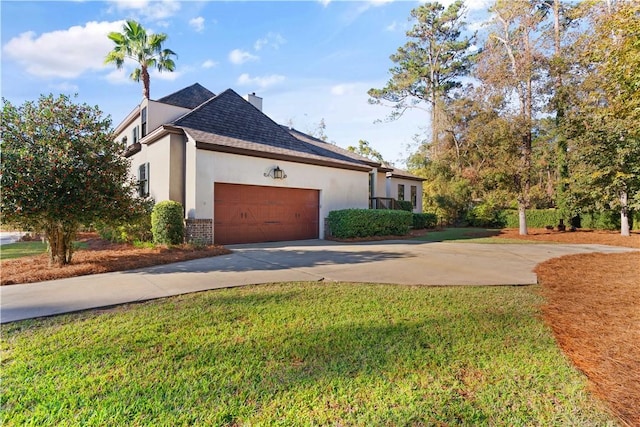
276	173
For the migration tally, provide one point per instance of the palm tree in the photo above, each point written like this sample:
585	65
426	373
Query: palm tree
134	43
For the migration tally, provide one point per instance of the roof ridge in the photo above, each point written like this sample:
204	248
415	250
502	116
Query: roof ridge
194	110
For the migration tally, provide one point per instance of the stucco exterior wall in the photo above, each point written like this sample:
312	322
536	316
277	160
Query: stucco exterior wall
128	131
339	188
392	185
159	114
166	157
381	185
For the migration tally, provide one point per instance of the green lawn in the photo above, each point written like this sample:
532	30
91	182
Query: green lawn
470	235
20	249
298	354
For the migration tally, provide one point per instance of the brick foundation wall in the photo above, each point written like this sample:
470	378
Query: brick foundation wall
327	229
199	230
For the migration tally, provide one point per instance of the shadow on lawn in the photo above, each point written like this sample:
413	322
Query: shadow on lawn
329	358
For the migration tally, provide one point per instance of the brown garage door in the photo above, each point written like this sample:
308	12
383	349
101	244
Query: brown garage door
251	213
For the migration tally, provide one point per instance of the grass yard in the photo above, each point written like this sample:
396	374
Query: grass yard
28	249
468	235
22	249
299	354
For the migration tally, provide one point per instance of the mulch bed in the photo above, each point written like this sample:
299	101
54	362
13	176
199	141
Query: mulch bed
593	307
582	236
100	256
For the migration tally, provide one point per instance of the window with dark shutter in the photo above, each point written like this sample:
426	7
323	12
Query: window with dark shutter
400	191
144	122
414	196
143	180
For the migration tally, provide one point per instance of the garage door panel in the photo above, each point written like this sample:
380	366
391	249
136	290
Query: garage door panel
247	213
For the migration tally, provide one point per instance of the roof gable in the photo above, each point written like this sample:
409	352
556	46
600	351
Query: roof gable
231	116
189	97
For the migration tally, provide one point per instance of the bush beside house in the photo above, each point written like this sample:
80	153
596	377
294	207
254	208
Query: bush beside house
349	223
167	223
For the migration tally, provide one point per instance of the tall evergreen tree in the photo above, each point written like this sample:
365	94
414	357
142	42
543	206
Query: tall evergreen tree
429	65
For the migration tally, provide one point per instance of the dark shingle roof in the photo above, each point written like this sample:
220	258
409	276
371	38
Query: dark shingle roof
189	97
325	146
228	120
400	173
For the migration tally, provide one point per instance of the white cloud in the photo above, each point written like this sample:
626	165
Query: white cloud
343	89
262	82
324	3
119	77
197	24
392	26
122	76
166	75
238	56
63	53
65	87
155	10
209	63
469	4
273	40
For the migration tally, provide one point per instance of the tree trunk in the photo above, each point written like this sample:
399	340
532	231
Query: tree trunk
146	81
624	215
60	243
435	143
522	219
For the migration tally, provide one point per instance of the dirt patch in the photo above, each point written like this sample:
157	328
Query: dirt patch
593	307
100	256
612	238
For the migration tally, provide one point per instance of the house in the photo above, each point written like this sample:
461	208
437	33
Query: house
243	178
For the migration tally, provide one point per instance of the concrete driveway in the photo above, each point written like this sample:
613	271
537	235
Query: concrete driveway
399	262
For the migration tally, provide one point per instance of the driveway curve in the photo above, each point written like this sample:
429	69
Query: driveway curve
398	262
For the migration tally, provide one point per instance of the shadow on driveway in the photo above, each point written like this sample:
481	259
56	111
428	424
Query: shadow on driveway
246	260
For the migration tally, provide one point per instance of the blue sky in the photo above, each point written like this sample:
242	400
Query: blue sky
308	60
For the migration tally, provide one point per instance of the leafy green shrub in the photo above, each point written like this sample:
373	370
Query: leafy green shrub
349	223
167	223
536	218
607	220
424	220
540	218
486	215
136	228
405	205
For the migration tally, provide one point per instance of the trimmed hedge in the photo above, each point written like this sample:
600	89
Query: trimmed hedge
540	218
167	223
405	205
424	220
536	218
609	220
348	223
